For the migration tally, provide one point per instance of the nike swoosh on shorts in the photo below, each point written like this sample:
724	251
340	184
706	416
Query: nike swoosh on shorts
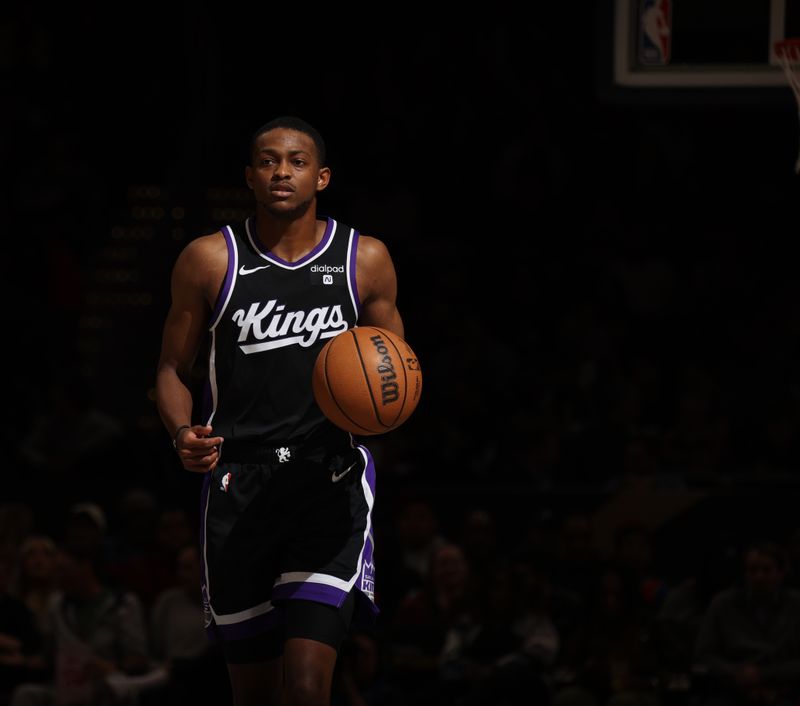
336	477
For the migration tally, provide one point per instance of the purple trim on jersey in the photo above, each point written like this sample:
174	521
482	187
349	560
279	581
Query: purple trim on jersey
311	592
353	283
229	274
251	626
326	236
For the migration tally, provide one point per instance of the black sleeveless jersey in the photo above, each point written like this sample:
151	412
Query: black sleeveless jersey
271	319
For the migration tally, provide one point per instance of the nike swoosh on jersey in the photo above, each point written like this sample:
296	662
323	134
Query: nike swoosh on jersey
336	477
244	271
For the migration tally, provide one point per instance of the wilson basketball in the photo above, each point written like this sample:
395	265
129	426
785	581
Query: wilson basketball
367	380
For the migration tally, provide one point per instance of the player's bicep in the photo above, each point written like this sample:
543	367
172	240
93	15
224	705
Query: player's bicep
377	283
186	322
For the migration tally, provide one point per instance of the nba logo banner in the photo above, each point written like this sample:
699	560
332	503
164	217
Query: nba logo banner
655	32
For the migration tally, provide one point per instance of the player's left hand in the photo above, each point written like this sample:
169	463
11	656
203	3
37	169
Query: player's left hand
197	449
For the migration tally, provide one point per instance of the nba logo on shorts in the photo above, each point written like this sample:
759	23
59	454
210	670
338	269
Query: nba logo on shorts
225	482
655	32
327	279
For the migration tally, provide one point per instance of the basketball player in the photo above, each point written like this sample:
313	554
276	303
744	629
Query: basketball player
287	497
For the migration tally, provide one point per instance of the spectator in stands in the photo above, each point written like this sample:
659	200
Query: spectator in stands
748	647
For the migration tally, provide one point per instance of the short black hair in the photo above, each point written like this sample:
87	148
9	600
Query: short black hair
291	122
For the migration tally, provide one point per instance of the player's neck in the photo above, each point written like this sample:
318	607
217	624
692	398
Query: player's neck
289	238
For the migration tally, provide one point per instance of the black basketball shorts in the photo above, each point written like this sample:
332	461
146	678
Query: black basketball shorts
281	530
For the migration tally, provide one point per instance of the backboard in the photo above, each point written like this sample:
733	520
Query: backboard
699	48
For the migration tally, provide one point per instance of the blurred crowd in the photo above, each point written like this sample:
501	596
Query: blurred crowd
100	612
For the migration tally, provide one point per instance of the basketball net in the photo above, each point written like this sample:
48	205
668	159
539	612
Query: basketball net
788	53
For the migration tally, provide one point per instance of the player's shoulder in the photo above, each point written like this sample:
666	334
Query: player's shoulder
205	248
375	269
373	255
371	246
205	244
203	258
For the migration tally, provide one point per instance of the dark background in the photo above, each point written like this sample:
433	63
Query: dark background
600	284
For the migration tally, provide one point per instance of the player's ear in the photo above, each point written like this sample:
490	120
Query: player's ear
323	178
248	176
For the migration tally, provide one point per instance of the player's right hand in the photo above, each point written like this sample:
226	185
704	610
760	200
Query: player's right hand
197	449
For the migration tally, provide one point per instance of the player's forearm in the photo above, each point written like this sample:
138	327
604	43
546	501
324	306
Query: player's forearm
173	400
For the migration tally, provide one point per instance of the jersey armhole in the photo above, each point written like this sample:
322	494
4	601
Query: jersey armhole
230	276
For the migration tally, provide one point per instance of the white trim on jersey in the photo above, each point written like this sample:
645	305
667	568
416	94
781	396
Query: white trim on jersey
212	375
351	274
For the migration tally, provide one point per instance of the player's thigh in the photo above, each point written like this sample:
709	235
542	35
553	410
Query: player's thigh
308	670
318	622
257	683
314	633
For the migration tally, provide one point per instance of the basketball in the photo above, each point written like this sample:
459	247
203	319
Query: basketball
367	380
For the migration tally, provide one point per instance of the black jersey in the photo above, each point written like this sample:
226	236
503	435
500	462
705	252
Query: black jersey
270	321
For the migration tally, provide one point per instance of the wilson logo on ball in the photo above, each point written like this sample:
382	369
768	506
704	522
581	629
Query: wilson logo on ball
390	390
367	380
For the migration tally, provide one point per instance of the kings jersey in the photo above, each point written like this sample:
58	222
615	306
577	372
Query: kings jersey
270	321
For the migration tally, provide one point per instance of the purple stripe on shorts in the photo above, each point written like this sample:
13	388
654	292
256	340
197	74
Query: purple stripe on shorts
311	592
369	471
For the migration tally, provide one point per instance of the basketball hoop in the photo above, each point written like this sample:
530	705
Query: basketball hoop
787	52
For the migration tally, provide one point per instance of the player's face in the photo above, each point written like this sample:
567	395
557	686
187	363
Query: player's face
285	174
